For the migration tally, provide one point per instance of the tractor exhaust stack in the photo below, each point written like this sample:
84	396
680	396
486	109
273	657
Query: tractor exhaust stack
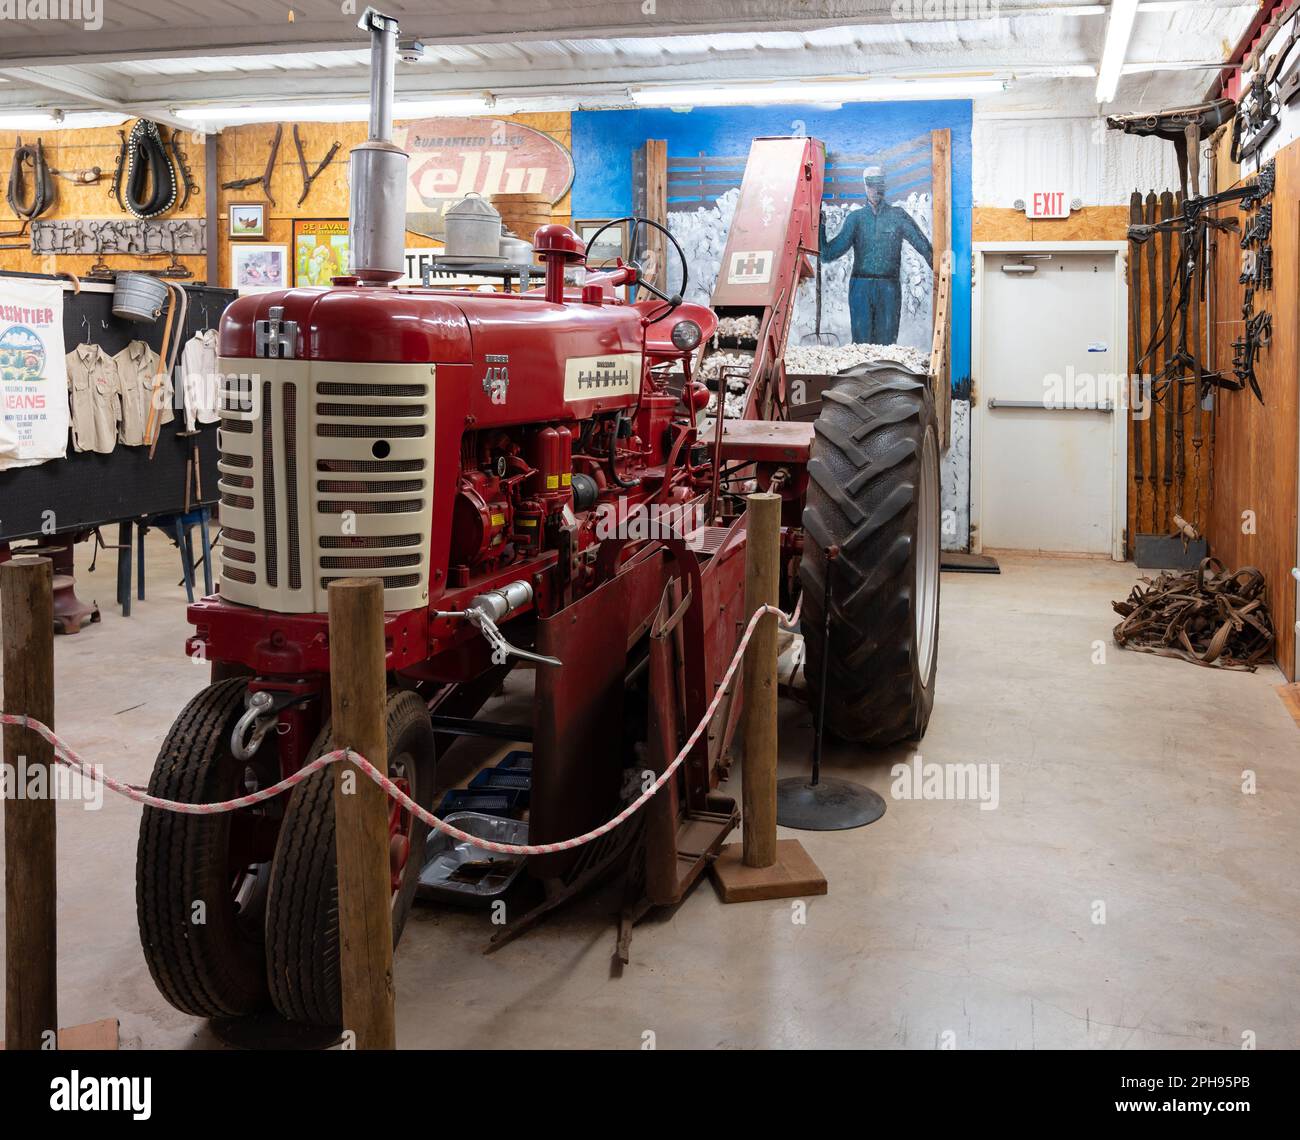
377	214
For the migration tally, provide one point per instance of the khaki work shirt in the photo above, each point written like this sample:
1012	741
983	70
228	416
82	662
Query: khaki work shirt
137	365
94	394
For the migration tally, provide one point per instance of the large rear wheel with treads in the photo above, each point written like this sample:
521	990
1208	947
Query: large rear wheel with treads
874	494
302	914
201	880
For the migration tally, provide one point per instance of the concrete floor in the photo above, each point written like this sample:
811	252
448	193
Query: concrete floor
1120	784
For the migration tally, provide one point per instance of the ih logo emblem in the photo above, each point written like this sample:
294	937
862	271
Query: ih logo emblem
497	379
752	267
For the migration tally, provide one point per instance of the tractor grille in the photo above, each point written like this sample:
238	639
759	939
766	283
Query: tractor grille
325	476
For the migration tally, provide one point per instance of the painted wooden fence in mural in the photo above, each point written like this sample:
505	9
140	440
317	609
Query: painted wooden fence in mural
699	180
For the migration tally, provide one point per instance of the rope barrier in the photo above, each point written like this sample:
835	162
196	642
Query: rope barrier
67	756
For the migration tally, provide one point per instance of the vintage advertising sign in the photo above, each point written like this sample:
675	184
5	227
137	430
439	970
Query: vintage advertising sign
320	250
33	374
452	157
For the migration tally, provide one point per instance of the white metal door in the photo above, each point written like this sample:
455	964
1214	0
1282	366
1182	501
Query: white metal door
1051	366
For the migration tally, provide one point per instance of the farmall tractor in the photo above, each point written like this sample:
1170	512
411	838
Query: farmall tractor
480	453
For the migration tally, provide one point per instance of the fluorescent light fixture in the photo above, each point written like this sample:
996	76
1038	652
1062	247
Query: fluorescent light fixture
43	121
330	112
867	90
1119	29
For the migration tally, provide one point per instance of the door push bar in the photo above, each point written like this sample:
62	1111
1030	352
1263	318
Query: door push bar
1103	406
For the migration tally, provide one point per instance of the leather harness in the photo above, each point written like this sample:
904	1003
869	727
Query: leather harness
145	181
42	193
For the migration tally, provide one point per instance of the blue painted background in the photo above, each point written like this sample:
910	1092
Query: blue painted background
603	143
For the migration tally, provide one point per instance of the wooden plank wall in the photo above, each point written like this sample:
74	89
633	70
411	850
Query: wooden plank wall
1151	507
1092	223
81	149
241	153
1257	449
1099	223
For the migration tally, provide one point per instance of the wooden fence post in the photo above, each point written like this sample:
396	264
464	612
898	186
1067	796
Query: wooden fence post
31	947
359	693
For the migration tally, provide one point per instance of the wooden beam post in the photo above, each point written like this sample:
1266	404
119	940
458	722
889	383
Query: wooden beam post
211	192
761	866
656	204
359	694
941	254
31	995
762	586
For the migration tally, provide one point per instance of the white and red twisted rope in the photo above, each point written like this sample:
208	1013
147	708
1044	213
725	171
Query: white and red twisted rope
68	756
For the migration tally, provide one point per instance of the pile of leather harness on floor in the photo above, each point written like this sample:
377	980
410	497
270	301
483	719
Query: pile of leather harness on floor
1204	615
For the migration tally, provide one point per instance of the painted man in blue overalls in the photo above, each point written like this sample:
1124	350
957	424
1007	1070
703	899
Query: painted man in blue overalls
875	233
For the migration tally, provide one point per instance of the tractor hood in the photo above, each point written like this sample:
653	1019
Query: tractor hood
374	326
392	326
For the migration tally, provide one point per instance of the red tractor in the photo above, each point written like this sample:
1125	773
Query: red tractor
531	478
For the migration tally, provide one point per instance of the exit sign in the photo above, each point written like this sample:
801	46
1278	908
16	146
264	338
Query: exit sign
1047	204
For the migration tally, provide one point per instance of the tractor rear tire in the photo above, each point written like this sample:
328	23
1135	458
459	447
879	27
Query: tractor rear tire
302	912
200	919
874	493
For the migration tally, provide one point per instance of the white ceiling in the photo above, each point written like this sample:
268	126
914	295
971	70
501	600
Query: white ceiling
162	56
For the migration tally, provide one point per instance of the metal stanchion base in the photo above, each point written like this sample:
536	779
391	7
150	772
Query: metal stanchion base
831	805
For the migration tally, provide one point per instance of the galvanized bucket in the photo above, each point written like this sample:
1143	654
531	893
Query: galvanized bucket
138	297
473	229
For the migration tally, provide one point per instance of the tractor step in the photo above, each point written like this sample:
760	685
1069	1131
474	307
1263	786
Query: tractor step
763	441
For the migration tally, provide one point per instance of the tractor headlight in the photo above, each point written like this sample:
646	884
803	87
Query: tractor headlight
686	335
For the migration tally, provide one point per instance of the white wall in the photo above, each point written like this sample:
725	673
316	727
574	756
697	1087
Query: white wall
1012	157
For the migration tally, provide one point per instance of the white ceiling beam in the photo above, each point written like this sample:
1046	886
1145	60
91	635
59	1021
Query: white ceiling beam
72	88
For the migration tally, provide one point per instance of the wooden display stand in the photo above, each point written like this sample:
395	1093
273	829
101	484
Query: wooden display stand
761	867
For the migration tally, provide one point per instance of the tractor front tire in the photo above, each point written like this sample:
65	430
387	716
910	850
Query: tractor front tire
200	914
302	913
873	493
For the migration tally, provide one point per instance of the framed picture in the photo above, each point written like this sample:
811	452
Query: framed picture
612	244
320	250
256	268
247	221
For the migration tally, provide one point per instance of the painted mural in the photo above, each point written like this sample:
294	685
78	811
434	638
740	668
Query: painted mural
876	223
876	215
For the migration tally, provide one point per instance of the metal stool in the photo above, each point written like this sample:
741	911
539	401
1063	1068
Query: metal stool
180	528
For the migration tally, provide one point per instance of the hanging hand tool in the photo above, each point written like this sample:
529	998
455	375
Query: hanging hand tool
119	165
263	179
85	177
183	166
308	179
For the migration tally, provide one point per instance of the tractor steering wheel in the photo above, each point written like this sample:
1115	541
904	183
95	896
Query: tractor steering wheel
641	281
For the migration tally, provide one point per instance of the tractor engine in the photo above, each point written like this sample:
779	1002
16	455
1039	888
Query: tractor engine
441	441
